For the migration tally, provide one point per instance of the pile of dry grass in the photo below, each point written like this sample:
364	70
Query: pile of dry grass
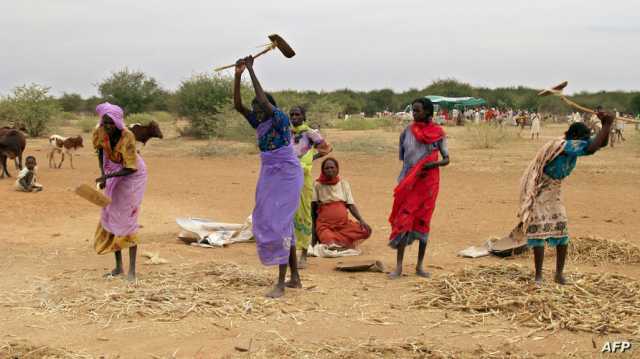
376	348
595	303
208	289
596	250
23	349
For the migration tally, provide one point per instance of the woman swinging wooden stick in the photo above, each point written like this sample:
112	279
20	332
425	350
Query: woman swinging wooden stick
279	184
542	216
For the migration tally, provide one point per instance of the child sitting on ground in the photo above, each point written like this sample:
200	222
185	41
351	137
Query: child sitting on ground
27	180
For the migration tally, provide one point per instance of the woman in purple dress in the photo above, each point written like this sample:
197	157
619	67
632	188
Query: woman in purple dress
280	182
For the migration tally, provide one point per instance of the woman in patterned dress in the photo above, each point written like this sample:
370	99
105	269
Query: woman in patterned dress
124	178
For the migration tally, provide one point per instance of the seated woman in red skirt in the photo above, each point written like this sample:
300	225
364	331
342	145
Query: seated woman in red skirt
331	199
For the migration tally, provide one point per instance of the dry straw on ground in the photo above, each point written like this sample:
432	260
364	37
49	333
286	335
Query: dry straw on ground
24	349
596	303
377	348
596	250
218	290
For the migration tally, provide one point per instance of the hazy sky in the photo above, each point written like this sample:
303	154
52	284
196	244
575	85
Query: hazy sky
71	45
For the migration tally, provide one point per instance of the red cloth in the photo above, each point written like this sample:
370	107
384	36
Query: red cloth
415	196
334	227
427	132
326	180
490	115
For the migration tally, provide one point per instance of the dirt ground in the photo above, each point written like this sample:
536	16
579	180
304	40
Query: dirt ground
53	296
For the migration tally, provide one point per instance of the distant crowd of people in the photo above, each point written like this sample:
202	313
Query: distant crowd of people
523	119
502	117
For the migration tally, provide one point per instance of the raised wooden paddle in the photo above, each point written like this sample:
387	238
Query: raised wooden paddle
277	42
557	91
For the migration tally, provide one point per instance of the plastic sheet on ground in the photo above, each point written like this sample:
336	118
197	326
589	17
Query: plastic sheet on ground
474	252
208	233
324	251
501	247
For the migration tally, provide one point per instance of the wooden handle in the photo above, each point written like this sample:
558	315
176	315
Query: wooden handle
575	105
588	110
628	120
269	48
224	68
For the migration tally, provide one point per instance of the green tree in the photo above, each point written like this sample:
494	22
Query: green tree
350	101
33	107
162	102
379	100
520	97
200	99
322	112
405	98
289	98
92	102
71	102
449	88
634	104
132	90
8	113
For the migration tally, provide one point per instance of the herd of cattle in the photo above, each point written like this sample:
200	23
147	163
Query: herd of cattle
13	142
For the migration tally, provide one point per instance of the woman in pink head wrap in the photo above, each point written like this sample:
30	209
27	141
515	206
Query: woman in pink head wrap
124	178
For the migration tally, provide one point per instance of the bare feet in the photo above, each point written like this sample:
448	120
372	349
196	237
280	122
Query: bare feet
294	283
113	273
395	274
538	279
276	292
560	279
422	273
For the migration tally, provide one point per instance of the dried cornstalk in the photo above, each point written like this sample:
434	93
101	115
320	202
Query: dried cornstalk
378	348
597	303
25	349
208	289
596	250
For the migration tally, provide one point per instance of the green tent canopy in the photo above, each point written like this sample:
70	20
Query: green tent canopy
451	102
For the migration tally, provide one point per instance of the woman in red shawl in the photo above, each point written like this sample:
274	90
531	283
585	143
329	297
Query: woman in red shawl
419	181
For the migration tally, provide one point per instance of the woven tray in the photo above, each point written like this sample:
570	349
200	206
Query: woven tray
93	195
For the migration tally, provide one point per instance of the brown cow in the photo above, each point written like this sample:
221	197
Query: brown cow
144	133
63	145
